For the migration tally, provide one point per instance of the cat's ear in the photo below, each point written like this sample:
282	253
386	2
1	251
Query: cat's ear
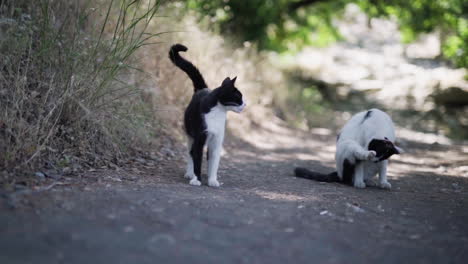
399	150
233	80
226	82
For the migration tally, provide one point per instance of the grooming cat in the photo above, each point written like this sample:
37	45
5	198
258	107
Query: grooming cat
362	150
205	118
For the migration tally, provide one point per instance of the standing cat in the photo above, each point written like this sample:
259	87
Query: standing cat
362	150
205	118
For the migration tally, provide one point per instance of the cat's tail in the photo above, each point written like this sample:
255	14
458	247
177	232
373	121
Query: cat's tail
187	66
307	174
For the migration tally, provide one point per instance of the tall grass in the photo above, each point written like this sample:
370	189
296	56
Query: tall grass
64	97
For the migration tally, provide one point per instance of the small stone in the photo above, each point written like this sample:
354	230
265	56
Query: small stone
140	160
355	208
128	229
162	239
40	175
324	212
111	216
380	208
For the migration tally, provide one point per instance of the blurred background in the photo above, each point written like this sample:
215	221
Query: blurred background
88	83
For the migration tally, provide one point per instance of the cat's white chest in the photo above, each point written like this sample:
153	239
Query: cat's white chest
216	120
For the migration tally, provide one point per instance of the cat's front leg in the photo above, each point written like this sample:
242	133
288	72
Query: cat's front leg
214	150
359	176
361	154
383	183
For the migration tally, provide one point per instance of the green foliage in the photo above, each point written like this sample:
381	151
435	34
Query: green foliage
424	16
274	24
283	25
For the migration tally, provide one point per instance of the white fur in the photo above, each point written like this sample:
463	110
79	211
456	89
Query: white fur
215	127
353	145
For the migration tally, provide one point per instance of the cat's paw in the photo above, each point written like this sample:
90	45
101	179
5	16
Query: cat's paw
371	155
385	185
213	183
194	181
189	175
359	184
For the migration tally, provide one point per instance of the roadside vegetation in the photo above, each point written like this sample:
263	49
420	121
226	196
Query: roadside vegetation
65	101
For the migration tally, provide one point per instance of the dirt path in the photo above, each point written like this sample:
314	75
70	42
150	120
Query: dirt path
261	214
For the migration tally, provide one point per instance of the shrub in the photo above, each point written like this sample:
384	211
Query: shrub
64	98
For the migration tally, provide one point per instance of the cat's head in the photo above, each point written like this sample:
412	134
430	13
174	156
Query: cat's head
230	97
384	148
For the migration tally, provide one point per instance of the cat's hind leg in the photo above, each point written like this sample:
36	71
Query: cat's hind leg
383	183
196	153
189	174
359	176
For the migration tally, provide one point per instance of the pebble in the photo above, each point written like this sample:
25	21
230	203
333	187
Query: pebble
40	175
162	238
128	229
355	208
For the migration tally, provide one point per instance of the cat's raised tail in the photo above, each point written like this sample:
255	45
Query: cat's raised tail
307	174
187	66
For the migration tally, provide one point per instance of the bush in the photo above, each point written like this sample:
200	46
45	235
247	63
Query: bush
63	94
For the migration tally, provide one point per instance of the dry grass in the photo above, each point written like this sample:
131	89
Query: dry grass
262	84
64	100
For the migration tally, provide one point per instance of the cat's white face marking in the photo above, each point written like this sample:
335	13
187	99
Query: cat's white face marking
236	109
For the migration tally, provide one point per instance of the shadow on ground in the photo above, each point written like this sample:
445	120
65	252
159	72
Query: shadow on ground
261	214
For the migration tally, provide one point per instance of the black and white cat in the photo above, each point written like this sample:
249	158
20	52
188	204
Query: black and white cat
362	150
205	118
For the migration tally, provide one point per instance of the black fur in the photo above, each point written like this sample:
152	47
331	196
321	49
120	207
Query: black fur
383	147
203	100
348	171
348	174
368	115
186	66
307	174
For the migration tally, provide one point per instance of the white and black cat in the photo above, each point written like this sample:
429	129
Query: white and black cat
362	150
205	118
